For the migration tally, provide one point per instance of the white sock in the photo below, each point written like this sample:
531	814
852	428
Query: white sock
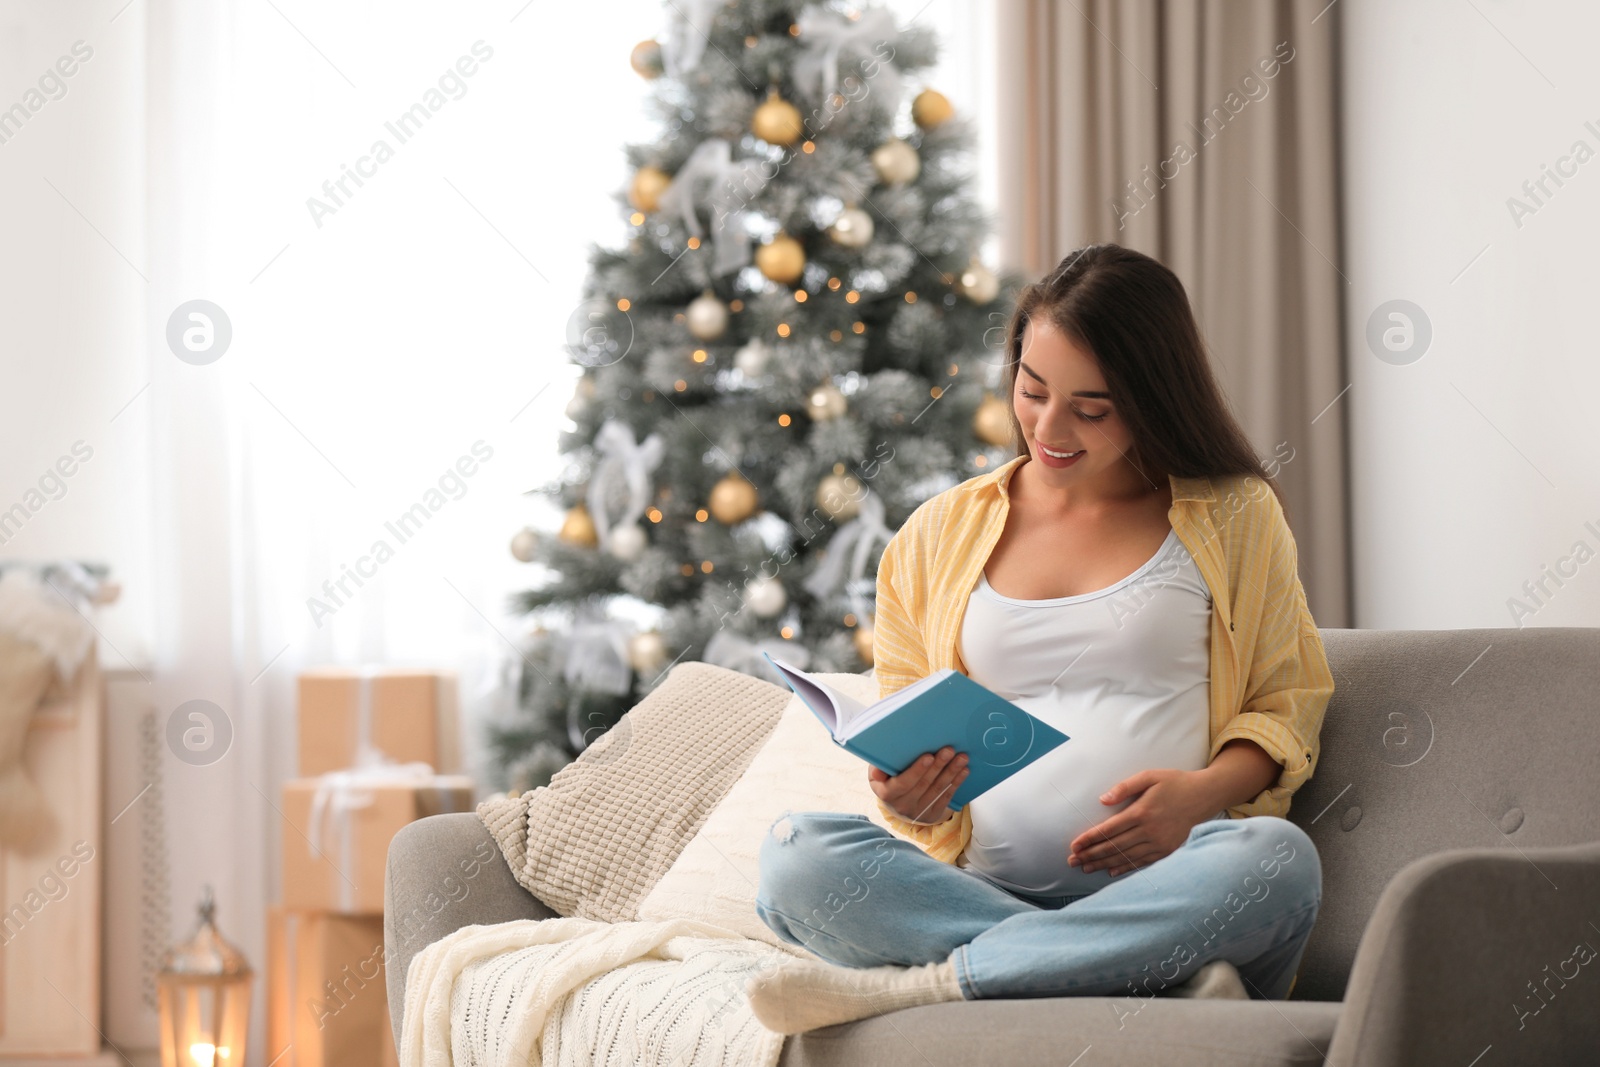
1217	980
802	995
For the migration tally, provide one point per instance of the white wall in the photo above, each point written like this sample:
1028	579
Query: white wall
1473	468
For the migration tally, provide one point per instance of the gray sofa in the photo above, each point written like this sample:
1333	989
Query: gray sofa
1456	810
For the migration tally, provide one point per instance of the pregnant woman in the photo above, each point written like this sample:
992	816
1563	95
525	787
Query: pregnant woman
1129	578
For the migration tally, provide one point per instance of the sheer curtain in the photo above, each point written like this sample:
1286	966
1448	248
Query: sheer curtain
392	207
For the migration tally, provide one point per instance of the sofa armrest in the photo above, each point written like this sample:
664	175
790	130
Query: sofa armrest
444	872
1477	948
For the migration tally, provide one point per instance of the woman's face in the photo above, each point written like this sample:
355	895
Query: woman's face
1062	404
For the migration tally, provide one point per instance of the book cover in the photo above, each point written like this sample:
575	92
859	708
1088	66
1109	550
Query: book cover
945	708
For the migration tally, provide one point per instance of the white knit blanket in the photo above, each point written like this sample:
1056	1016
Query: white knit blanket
568	991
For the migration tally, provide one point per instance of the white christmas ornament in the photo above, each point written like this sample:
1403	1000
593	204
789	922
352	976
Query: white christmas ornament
765	596
979	283
852	229
896	162
752	358
626	542
523	544
707	317
646	652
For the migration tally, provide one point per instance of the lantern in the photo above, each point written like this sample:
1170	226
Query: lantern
204	987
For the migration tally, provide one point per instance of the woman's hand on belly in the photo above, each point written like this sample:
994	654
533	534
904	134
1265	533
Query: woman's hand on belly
1167	805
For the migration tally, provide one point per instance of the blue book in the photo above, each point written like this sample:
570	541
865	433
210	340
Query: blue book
945	708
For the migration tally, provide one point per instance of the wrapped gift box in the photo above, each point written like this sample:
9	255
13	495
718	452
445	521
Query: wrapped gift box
337	829
408	715
327	1005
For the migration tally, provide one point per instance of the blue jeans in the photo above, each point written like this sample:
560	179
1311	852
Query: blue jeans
1244	890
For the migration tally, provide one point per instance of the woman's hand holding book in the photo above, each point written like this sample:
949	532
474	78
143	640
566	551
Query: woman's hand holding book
922	791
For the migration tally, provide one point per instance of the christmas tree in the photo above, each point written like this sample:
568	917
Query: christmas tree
799	345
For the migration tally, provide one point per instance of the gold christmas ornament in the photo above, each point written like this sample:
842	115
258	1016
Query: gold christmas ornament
992	421
523	545
733	499
863	640
647	652
930	108
782	259
978	283
896	162
777	121
578	528
648	185
826	402
646	60
840	496
707	316
852	229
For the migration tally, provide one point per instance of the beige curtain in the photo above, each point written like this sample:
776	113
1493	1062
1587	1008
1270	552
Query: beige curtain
1204	134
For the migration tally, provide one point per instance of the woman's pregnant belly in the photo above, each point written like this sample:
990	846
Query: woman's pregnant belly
1022	827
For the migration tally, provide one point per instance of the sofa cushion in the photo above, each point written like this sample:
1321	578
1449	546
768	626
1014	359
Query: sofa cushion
798	769
1113	1031
595	840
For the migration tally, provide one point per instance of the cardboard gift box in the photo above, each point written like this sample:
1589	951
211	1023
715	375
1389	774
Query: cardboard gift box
327	1005
407	715
337	829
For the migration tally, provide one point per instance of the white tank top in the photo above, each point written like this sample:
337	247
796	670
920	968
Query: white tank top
1124	672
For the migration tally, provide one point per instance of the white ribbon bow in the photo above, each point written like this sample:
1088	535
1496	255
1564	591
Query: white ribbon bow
687	35
854	540
736	653
711	178
624	464
824	37
597	656
339	793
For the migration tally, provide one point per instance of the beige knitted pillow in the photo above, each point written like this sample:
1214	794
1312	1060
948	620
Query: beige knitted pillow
799	768
596	840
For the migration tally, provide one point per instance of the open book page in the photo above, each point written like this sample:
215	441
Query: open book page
891	703
834	708
843	715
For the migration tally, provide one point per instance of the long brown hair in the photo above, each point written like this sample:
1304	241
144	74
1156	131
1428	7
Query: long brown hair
1133	315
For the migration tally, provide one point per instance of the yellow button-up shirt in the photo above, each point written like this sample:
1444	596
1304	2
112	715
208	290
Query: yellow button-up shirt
1270	681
